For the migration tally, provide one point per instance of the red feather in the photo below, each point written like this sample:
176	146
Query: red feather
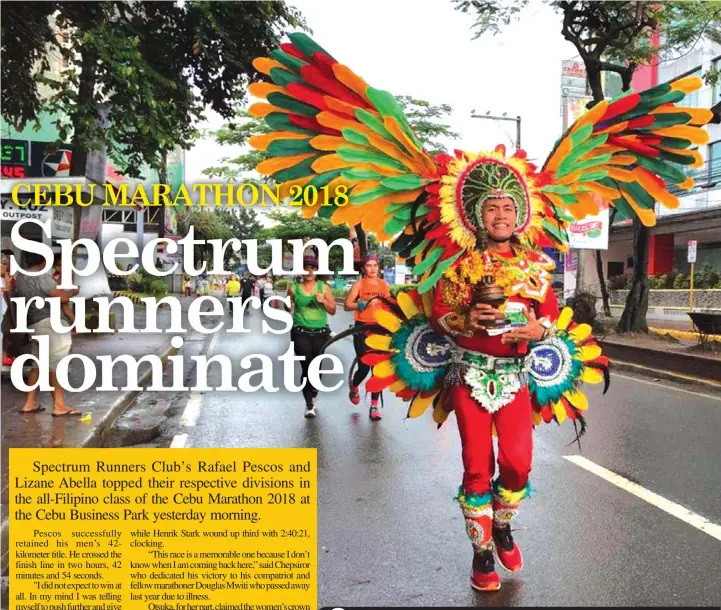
634	146
307	95
372	359
620	107
547	414
324	62
318	79
291	49
310	123
378	384
642	121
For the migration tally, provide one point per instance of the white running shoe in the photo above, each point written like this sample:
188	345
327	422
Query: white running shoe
310	413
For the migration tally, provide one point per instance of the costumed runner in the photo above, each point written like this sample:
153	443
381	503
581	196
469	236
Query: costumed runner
311	303
362	299
472	225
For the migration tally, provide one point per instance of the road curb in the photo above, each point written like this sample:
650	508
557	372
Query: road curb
646	371
95	437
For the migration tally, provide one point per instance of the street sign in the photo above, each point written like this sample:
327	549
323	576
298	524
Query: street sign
692	251
591	233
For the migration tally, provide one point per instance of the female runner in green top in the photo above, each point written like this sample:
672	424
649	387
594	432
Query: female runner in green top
311	302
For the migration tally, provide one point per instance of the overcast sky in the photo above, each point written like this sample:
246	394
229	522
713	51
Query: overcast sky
425	49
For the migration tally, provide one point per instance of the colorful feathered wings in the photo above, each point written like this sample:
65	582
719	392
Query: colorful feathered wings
626	152
334	132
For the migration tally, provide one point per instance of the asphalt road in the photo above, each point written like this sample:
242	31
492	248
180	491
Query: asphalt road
390	533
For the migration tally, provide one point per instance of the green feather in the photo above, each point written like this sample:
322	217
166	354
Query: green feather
679	143
374	123
406	182
279	121
640	196
288	61
581	135
419	248
361	156
326	211
355	137
428	261
567	165
323	179
657	91
404	213
361	174
559	189
387	105
285	101
668	119
288	148
394	226
370	195
593	162
593	176
624	209
283	78
307	45
553	230
432	279
675	158
297	171
667	170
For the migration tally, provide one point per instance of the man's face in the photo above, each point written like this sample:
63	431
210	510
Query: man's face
310	272
499	218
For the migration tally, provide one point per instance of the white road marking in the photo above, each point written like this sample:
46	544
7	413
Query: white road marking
669	387
191	413
179	441
192	409
652	498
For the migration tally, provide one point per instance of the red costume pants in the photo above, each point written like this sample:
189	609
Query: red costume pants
514	426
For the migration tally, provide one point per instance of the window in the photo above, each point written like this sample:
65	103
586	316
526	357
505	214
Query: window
714	162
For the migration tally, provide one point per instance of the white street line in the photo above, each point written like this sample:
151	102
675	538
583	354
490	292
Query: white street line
192	409
213	342
179	441
669	387
665	505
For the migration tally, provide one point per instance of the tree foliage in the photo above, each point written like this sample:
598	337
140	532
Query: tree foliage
154	65
425	119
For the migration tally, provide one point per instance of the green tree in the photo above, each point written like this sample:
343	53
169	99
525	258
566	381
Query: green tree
617	37
291	225
154	66
425	119
242	224
207	225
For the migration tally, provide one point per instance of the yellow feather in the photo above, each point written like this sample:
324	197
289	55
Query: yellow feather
407	304
564	319
381	342
604	191
397	386
689	84
440	415
622	159
286	186
384	369
687	184
351	80
276	164
580	333
592	116
261	142
537	419
560	411
427	303
261	110
325	142
646	216
589	352
419	405
339	106
577	399
647	180
262	89
622	175
591	375
265	64
696	135
387	320
395	130
330	163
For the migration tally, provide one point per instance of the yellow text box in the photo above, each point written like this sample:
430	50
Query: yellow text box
162	529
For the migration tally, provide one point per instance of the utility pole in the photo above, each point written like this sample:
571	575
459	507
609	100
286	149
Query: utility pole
516	119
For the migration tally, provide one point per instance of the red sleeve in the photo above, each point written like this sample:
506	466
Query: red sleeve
444	319
549	307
